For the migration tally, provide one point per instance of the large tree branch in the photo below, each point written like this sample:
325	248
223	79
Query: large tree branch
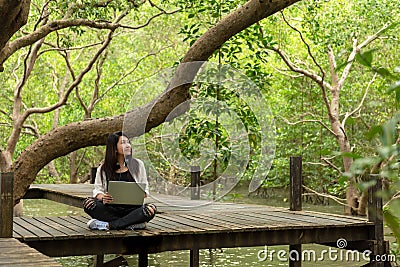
313	76
332	165
43	31
310	74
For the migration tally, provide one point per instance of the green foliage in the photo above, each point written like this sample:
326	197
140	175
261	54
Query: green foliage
385	157
90	9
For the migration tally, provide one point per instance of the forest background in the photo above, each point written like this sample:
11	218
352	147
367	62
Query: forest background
329	71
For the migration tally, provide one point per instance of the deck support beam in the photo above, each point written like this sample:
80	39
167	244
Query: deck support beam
295	250
143	259
98	260
118	261
375	215
194	257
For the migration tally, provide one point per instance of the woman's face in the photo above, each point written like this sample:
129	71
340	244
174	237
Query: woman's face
124	146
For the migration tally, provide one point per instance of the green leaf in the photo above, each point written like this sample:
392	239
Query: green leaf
365	185
374	131
365	58
397	96
394	86
383	72
393	222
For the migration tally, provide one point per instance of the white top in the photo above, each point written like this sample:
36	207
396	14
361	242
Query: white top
100	187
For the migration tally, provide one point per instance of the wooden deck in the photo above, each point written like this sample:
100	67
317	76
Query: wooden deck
16	254
220	225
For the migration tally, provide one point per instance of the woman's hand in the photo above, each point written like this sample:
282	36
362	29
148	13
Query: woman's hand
89	203
106	198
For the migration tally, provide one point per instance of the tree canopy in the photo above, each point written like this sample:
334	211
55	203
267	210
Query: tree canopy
48	35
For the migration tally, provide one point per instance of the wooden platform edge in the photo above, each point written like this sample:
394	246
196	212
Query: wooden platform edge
15	253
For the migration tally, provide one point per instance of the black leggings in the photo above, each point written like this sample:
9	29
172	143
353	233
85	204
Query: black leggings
120	216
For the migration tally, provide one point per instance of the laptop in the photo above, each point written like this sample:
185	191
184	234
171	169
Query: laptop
126	193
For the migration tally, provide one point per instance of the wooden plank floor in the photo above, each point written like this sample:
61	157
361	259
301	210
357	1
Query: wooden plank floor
180	227
14	253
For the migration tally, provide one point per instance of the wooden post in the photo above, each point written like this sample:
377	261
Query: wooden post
296	183
143	259
118	261
195	182
195	194
194	257
6	204
296	189
98	260
375	215
297	249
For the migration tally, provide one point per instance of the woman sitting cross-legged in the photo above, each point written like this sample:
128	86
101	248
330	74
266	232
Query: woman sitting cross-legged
118	165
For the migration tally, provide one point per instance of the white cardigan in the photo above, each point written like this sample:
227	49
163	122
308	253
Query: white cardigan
100	187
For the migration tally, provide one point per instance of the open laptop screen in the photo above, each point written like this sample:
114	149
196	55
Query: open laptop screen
127	193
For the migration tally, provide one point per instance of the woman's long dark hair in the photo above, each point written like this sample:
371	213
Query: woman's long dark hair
111	165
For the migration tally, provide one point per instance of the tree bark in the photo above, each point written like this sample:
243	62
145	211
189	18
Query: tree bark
66	139
73	168
51	168
344	147
13	15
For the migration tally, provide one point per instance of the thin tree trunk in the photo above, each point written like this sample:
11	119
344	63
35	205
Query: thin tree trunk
51	167
73	173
